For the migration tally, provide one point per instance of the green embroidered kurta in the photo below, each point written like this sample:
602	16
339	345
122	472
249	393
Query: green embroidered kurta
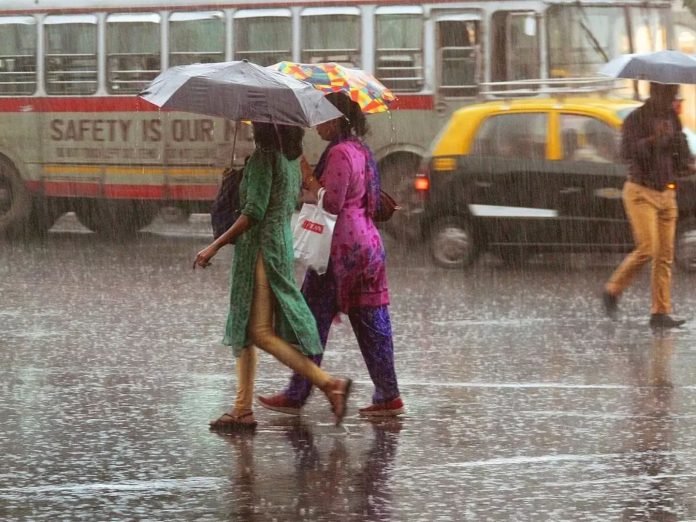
268	197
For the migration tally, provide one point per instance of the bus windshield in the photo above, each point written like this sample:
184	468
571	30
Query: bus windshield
582	38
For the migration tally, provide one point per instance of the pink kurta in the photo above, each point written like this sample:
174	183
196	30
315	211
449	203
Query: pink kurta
357	252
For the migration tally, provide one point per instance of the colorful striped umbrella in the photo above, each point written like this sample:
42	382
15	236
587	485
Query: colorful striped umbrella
363	88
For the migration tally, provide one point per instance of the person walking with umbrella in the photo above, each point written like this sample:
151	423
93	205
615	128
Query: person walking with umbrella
356	281
266	307
655	148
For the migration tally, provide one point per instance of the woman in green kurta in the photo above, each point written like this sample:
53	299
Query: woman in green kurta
266	307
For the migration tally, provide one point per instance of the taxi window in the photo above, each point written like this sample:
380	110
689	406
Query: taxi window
521	136
585	138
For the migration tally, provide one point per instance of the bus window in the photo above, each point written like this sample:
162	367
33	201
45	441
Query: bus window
459	55
582	38
132	51
649	28
17	55
196	38
71	54
515	52
263	36
399	47
331	35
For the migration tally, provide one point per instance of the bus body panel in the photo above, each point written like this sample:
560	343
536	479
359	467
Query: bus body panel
72	132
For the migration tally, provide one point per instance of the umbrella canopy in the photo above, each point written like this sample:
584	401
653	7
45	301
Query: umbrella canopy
660	67
240	90
363	88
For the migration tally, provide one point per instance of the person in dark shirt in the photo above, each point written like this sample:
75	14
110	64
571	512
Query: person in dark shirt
655	148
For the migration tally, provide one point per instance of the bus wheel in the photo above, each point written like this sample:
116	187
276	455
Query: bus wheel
43	215
685	247
15	199
116	218
397	174
453	243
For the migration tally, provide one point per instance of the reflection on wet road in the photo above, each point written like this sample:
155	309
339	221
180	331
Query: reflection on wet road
523	401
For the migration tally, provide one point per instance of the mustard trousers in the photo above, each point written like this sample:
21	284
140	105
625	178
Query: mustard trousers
653	216
262	334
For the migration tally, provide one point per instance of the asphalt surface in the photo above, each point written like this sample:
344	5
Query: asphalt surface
523	401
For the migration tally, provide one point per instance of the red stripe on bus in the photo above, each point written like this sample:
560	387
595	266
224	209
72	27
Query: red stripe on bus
193	192
134	192
69	189
86	104
422	102
135	104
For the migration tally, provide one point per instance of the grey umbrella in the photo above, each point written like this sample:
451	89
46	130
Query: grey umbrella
660	67
240	90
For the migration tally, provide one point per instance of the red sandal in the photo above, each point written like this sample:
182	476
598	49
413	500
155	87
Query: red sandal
230	422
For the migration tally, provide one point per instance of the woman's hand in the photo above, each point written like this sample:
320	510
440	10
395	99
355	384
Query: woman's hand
306	168
309	182
204	256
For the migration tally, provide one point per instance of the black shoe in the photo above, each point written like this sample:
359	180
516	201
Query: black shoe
611	305
665	321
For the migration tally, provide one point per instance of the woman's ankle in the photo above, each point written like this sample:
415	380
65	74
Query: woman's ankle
242	412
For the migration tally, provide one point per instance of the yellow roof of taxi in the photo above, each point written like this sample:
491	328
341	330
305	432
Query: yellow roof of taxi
457	134
526	104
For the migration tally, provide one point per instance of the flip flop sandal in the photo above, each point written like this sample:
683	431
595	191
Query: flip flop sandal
229	422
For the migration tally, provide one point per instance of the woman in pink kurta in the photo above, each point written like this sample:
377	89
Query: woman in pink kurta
356	281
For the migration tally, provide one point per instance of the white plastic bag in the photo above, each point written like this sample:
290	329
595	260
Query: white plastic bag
312	236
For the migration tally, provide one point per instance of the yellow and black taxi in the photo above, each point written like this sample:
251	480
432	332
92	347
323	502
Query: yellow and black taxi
517	177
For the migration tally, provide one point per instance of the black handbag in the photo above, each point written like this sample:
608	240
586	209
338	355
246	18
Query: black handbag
225	208
385	207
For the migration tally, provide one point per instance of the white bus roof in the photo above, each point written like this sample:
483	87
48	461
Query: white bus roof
18	7
257	13
70	19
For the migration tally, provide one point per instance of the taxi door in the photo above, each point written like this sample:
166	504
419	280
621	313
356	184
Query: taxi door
518	204
590	183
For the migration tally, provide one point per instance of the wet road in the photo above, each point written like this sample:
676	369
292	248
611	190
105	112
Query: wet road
524	402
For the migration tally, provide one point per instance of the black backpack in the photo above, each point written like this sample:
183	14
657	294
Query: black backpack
225	209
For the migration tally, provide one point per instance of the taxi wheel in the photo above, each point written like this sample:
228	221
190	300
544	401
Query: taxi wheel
116	218
15	199
452	243
685	247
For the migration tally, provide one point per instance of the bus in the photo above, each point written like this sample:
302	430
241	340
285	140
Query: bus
74	136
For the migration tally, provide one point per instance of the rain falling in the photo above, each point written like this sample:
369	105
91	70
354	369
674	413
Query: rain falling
535	279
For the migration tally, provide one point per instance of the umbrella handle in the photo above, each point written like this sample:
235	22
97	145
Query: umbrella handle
234	143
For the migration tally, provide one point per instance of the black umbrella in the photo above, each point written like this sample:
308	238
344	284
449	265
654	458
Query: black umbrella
240	90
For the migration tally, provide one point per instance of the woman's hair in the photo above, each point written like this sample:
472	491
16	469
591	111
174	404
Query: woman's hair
354	122
283	138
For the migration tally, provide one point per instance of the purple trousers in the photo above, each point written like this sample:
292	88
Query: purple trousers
372	328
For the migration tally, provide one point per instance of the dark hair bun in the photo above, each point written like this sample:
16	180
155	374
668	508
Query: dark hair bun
355	122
